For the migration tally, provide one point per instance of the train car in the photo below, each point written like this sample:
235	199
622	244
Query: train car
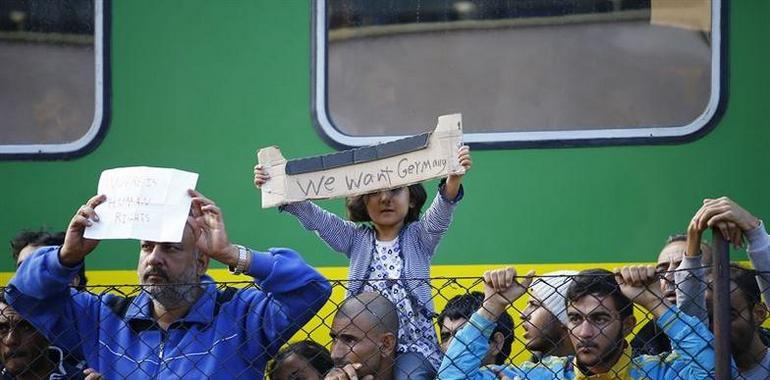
596	126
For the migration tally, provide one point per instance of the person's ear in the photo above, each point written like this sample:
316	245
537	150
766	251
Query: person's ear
387	345
202	263
496	343
628	325
760	313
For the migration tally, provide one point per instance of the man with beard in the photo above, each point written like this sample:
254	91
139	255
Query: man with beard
26	354
748	339
674	263
364	338
600	316
180	324
456	314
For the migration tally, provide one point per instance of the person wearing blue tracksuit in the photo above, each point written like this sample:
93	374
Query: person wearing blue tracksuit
180	324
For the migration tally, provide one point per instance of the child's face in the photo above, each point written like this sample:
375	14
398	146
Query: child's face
388	208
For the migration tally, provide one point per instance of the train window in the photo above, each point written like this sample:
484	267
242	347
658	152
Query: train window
52	83
522	73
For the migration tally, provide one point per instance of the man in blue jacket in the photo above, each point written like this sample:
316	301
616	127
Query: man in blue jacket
180	324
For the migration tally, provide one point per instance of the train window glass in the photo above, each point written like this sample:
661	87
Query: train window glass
522	73
51	77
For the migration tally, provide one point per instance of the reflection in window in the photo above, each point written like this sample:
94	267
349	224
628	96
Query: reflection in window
517	70
47	79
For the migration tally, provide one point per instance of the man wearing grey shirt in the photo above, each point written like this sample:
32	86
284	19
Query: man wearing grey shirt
751	356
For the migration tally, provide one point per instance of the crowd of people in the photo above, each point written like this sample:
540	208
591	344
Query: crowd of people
182	324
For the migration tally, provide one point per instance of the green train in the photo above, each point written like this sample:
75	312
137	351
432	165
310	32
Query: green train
596	126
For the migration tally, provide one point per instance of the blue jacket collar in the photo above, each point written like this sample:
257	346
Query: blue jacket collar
202	311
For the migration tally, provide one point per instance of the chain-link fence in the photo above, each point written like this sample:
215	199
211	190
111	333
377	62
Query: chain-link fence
566	323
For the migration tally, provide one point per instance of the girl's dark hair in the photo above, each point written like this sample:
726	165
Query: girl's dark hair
417	196
316	355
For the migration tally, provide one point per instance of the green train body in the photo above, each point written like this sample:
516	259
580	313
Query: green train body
201	86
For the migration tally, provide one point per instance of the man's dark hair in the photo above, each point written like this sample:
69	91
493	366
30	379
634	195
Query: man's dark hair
42	237
745	279
417	196
602	283
315	354
706	258
674	238
464	305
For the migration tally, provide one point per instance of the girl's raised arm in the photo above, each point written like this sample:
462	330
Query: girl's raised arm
435	222
335	231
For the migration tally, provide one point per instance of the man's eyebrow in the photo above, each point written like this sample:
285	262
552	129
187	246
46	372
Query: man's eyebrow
599	313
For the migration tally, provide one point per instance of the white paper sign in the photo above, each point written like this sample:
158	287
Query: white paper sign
143	203
437	160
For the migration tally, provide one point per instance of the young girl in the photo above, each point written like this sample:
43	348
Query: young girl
392	256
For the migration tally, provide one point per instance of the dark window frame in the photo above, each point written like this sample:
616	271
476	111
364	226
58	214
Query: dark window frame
102	102
699	127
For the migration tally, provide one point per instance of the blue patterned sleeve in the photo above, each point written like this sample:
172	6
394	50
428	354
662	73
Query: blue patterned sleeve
435	222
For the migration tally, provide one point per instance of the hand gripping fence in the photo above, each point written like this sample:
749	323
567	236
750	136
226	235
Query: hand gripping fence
548	335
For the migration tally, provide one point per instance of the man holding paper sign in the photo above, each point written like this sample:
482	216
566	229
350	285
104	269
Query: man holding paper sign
180	324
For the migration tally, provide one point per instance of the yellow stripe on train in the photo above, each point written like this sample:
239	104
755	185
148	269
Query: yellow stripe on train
449	281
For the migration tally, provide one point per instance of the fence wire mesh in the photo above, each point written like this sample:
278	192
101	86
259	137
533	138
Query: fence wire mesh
565	324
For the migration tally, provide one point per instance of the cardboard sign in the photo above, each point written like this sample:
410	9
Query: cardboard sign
363	170
143	203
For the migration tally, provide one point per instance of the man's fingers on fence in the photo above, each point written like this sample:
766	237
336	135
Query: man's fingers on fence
736	234
619	276
710	214
499	373
722	227
509	276
488	278
528	278
91	374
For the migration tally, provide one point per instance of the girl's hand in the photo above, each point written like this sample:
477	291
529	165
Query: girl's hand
452	186
260	176
464	156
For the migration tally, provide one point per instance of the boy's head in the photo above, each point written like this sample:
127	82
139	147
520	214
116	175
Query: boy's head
599	317
301	360
402	204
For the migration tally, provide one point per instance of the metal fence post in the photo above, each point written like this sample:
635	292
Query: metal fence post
721	293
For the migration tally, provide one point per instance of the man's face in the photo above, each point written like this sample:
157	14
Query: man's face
744	319
596	330
542	331
668	261
357	340
174	264
449	327
22	347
